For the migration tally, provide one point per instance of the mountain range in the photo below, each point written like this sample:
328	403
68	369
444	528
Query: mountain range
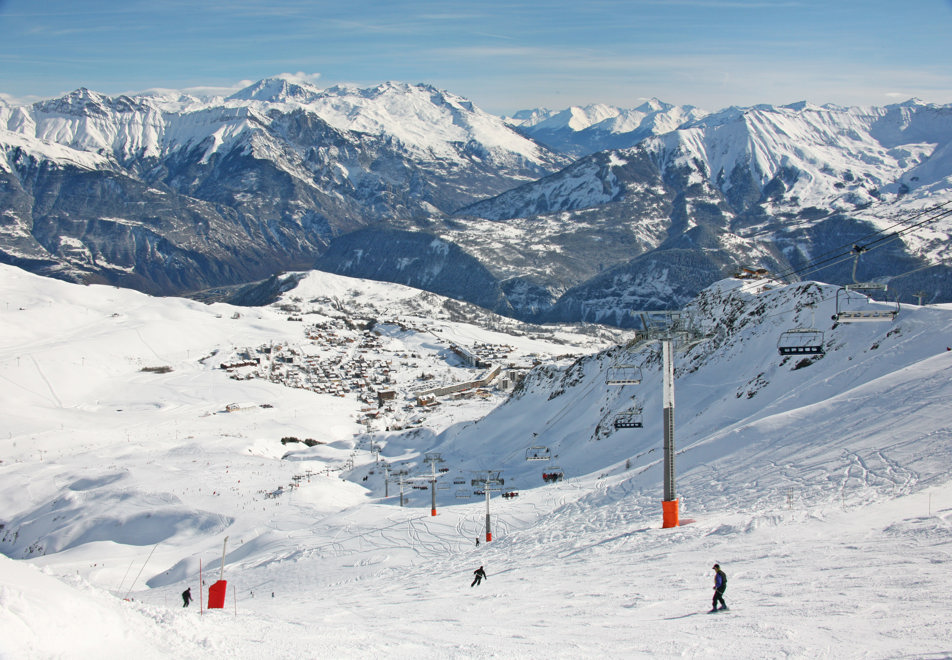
583	214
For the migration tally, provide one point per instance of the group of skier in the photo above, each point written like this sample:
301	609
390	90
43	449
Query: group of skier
720	584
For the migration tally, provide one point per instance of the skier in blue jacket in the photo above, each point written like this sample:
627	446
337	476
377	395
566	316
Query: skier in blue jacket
720	584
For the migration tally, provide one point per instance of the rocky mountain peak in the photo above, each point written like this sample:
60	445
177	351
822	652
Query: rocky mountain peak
277	90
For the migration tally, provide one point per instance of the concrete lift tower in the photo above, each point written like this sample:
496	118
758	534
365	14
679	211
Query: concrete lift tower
674	331
433	458
490	481
386	478
401	476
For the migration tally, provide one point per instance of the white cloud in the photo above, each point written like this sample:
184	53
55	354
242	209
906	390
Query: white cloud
301	76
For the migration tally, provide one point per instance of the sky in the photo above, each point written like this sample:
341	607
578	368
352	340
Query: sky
505	55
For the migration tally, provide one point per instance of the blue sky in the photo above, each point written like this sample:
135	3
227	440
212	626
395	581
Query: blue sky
503	55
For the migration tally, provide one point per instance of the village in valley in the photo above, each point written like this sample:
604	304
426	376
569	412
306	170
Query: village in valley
399	369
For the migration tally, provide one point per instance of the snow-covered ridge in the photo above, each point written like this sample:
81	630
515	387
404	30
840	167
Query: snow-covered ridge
427	121
845	157
784	159
581	130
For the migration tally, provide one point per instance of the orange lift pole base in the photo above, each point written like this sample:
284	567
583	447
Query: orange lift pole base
669	509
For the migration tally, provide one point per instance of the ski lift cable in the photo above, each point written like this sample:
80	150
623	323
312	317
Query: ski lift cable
837	251
884	240
939	212
893	236
816	265
910	272
838	254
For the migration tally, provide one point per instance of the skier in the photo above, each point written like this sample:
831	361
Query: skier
480	574
720	584
187	597
477	541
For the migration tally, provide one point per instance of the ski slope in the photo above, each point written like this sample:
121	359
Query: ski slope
823	489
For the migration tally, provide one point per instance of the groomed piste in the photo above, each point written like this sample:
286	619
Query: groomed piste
820	482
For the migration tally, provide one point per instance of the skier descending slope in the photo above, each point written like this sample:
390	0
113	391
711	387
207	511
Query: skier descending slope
720	585
480	574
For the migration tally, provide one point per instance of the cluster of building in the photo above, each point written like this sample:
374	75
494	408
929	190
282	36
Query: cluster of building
347	358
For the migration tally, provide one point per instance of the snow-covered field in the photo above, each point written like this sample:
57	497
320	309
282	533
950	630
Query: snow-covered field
821	486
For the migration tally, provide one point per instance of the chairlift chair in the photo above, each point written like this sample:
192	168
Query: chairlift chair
629	419
801	341
463	494
553	474
538	453
865	313
623	374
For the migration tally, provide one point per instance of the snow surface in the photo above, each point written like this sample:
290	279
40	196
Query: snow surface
821	485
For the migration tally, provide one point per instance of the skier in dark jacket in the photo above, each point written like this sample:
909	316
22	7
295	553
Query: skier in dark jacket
187	597
720	584
480	574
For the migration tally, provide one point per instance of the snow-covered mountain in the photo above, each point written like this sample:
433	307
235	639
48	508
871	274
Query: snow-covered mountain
167	192
171	193
582	130
156	444
772	186
782	159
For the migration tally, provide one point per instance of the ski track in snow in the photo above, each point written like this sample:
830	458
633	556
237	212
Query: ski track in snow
825	496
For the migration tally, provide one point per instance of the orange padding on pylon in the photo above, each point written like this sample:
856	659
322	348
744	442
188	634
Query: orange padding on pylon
670	510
